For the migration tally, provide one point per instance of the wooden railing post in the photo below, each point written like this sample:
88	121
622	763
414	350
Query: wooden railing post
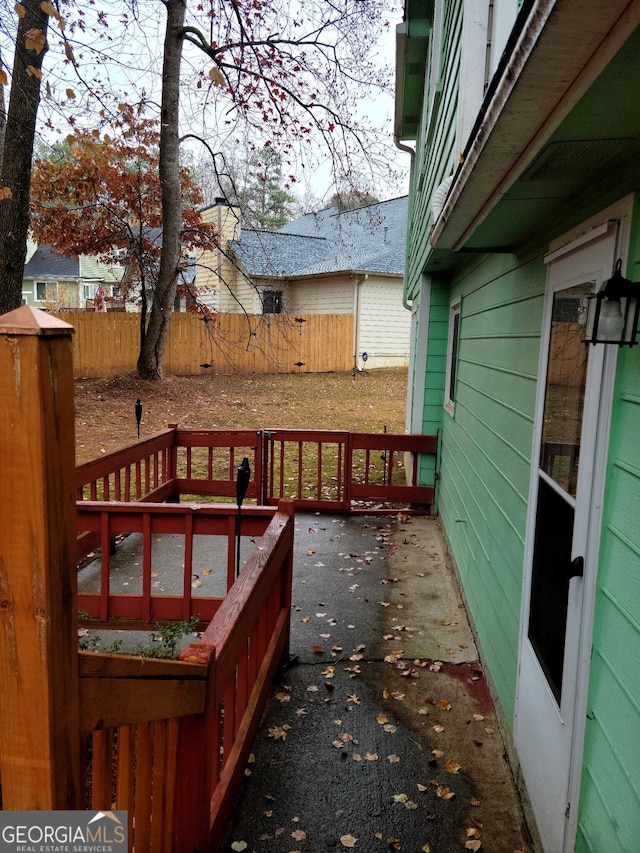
39	690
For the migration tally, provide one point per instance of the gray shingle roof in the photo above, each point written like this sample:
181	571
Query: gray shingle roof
44	263
370	239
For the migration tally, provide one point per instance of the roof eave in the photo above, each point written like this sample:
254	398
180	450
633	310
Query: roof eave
559	53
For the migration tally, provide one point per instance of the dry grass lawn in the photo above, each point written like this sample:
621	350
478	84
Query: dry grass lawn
105	416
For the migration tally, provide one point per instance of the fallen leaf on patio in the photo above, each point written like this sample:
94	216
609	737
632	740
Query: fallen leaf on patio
478	718
321	615
299	834
268	813
325	636
301	712
319	565
371	756
348	841
385	693
283	697
421	787
473	845
353	698
445	705
478	823
400	798
436	666
411	805
444	793
356	756
195	584
438	753
437	729
305	619
382	718
207	571
384	603
353	669
389	727
356	657
474	802
318	649
239	845
279	732
397	695
312	688
451	766
387	636
311	551
473	833
393	759
426	848
336	648
359	647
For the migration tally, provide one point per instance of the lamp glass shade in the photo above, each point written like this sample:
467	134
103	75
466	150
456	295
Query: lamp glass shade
612	313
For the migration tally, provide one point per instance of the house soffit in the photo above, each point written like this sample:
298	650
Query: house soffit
557	118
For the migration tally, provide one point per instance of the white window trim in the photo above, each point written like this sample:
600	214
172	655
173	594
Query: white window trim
48	288
452	357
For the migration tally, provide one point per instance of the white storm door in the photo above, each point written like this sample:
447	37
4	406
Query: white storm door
562	541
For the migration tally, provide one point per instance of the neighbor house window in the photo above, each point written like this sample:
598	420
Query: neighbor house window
91	290
46	291
452	356
272	302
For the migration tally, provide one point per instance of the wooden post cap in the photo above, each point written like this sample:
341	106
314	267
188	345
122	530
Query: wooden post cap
27	320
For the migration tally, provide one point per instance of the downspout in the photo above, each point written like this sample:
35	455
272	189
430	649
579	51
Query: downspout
412	154
356	321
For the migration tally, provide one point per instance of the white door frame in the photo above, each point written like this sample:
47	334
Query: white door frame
622	213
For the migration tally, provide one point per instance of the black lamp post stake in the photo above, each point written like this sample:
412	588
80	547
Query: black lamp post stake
242	484
138	414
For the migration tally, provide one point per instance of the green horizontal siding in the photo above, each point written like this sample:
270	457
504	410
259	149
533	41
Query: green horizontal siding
486	449
609	817
435	147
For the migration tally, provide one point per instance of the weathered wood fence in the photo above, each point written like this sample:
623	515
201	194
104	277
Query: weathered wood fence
108	344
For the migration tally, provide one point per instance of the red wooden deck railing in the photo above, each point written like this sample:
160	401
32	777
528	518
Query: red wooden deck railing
319	469
151	521
169	740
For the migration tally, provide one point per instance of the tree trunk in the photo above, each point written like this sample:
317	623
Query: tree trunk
150	361
15	175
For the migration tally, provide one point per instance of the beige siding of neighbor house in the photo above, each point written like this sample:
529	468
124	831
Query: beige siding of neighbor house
384	326
217	266
330	295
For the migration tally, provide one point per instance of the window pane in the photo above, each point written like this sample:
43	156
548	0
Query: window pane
564	395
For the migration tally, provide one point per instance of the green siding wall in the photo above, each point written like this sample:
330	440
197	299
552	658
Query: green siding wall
609	817
435	157
486	449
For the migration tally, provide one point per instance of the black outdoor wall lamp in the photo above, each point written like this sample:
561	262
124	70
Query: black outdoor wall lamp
613	312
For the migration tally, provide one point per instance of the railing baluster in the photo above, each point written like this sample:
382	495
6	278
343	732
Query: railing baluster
188	567
147	545
300	466
319	473
125	773
127	484
229	718
159	799
144	789
105	565
138	480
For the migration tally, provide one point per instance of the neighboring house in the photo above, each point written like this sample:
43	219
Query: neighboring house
54	282
321	263
524	194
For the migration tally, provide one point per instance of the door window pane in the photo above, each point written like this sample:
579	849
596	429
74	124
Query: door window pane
564	395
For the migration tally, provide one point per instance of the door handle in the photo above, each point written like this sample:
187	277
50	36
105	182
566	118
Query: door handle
576	568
